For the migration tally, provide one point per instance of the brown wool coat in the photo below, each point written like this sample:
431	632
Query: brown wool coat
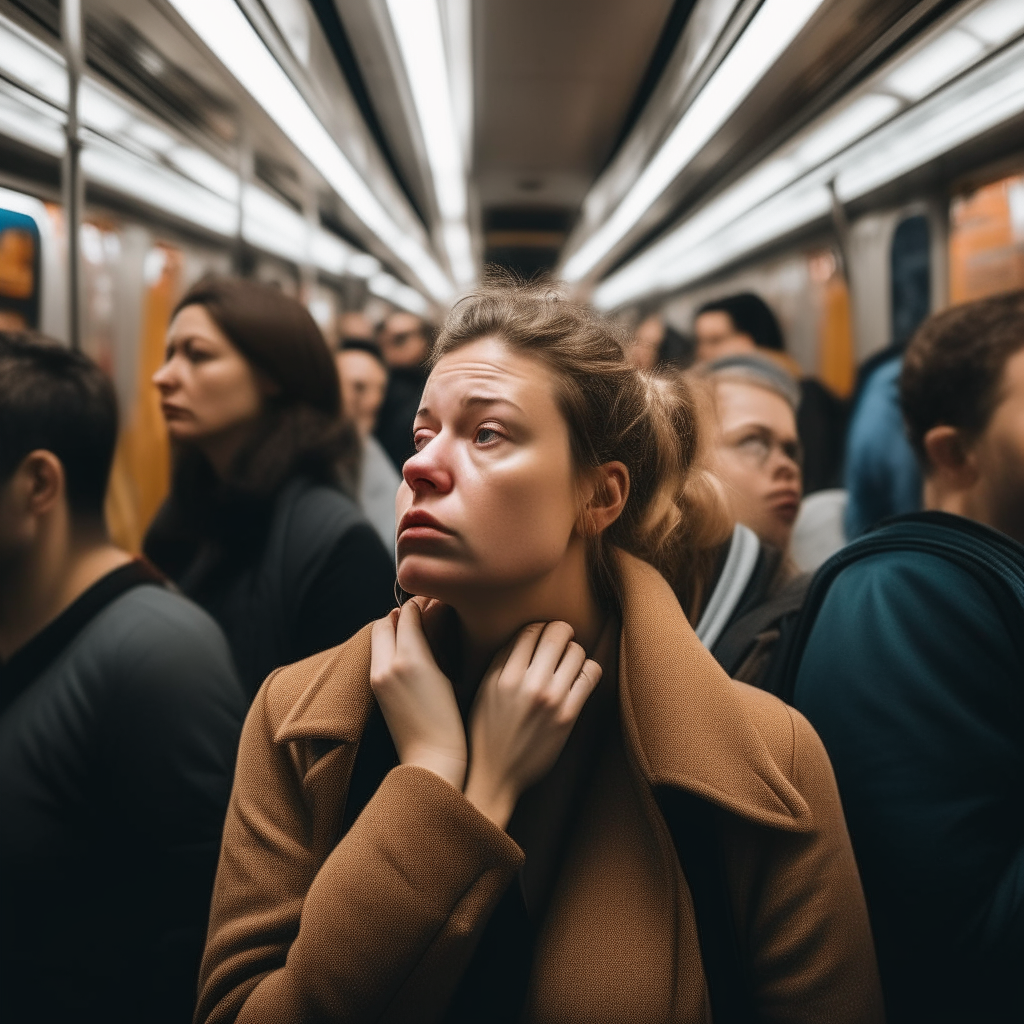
380	926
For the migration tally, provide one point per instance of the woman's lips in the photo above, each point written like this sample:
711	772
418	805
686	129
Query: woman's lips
419	524
173	412
785	504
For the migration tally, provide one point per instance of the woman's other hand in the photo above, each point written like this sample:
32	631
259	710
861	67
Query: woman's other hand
416	697
524	711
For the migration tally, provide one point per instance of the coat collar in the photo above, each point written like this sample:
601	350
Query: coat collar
685	721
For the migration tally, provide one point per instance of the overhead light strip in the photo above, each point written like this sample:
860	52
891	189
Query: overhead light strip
824	151
231	38
417	28
769	33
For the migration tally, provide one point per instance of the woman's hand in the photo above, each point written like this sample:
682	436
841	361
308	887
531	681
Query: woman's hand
416	697
524	711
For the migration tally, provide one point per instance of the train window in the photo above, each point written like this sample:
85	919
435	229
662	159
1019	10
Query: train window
986	241
19	271
910	276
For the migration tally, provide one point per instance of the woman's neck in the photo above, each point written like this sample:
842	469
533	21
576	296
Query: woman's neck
489	621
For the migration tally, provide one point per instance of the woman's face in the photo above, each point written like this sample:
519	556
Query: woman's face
757	458
207	387
489	500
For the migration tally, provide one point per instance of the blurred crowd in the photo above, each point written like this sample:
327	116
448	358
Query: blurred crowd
868	568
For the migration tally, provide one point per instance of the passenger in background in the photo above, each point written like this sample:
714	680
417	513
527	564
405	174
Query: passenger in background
364	378
257	528
120	714
654	343
756	456
883	477
744	323
405	342
910	663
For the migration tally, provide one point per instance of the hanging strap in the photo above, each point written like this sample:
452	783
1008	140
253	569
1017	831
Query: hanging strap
739	567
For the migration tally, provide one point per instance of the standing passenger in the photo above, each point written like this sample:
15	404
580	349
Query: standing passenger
912	669
119	718
757	457
256	528
405	343
364	379
744	323
416	837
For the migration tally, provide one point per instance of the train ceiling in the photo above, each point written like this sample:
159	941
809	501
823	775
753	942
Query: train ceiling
630	147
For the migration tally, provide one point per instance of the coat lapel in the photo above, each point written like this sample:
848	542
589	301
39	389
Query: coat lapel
685	721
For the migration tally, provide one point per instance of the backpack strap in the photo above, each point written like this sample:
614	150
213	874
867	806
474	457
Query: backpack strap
694	829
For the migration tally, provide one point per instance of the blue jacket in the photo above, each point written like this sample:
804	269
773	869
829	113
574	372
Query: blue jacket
910	665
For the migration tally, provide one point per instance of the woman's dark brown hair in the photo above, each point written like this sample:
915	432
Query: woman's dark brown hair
300	430
614	413
300	427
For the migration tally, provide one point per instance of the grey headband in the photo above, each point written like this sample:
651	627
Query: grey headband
756	370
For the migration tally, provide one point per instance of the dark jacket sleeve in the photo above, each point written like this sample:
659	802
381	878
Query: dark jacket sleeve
355	586
170	741
294	936
913	681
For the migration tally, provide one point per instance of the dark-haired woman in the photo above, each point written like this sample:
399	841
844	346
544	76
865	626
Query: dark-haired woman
257	528
532	795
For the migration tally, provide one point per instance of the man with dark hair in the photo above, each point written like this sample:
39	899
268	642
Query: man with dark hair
405	341
744	323
119	718
909	662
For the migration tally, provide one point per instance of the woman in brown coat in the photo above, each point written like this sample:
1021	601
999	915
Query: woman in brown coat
422	829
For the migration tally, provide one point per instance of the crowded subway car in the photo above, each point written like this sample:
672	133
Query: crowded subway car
512	511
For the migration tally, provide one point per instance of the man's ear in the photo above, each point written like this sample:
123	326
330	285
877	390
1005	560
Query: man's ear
604	498
950	458
39	482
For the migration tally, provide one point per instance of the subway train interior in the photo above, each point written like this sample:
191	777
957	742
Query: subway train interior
857	163
512	511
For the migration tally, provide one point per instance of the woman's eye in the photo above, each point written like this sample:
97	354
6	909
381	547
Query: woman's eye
487	435
419	440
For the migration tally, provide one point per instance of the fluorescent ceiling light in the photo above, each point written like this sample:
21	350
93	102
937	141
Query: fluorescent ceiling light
158	187
362	264
776	24
329	252
982	99
272	225
387	287
20	122
846	127
227	33
996	21
26	61
417	27
922	134
100	111
203	168
936	63
152	138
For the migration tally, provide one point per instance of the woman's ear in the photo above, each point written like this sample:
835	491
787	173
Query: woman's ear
605	498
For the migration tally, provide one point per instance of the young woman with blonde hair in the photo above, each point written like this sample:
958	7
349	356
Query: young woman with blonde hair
531	794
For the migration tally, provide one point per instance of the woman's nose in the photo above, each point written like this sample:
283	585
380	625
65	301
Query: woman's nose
429	469
165	378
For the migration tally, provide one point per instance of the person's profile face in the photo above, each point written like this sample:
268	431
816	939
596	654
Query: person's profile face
403	342
998	454
363	382
717	337
488	501
207	387
757	459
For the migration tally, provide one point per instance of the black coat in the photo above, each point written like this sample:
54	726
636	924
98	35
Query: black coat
398	411
287	578
119	724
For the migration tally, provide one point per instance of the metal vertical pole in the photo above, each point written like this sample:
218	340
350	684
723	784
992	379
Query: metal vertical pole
74	193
